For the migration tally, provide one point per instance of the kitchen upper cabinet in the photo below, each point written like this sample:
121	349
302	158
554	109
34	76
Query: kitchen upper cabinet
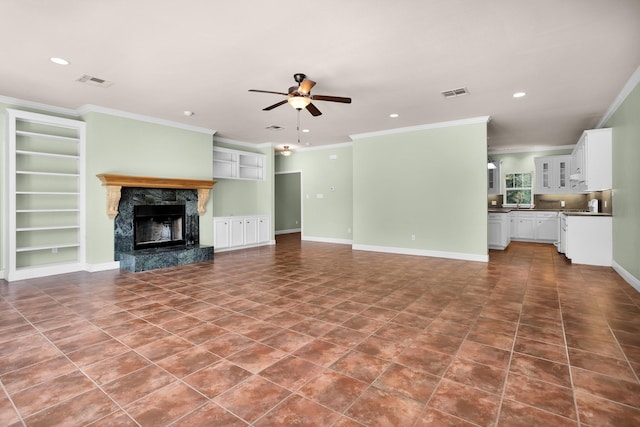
493	180
552	174
592	162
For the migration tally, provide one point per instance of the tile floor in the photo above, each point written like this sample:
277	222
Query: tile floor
315	334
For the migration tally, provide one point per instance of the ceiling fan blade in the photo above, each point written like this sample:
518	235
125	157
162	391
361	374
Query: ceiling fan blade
331	98
268	91
305	86
277	104
313	110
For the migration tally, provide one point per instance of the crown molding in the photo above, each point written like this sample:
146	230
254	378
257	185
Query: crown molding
535	148
242	143
462	122
90	108
15	102
626	90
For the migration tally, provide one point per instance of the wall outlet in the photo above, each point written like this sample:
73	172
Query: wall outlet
319	196
413	237
333	156
493	203
296	222
54	250
605	203
562	203
349	230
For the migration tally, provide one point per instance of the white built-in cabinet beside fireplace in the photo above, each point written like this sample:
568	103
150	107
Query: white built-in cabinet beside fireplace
237	232
236	164
45	181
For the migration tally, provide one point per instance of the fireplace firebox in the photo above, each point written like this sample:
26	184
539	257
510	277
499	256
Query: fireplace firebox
158	226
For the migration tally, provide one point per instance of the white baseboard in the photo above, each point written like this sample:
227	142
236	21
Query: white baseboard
235	248
292	230
327	240
628	277
1	274
113	265
423	252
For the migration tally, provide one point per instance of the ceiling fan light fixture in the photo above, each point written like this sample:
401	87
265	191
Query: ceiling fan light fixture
299	102
286	152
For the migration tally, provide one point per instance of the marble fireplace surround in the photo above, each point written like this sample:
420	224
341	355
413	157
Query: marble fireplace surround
163	191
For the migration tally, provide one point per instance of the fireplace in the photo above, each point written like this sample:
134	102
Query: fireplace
158	226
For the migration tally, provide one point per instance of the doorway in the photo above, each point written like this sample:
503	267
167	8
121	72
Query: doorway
288	202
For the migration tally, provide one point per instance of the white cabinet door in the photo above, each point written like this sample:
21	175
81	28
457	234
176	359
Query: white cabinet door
525	225
236	232
552	174
493	180
264	229
250	231
513	225
494	233
589	240
221	233
546	228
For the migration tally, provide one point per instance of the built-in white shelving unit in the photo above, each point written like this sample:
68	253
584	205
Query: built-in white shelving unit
236	164
45	184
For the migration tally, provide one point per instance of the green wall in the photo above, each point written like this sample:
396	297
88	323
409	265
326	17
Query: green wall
125	146
429	183
288	201
330	217
625	123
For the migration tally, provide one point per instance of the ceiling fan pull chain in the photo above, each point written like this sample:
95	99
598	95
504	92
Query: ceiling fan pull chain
298	127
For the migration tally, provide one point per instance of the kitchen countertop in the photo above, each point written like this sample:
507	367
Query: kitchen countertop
566	212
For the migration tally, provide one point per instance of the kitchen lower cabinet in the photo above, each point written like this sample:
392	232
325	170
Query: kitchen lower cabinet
588	239
237	232
499	235
546	227
524	225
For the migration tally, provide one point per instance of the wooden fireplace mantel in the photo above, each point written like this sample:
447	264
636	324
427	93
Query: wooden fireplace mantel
114	184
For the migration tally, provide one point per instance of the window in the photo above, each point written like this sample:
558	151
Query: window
519	189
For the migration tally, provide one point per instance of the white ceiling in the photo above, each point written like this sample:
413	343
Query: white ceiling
571	57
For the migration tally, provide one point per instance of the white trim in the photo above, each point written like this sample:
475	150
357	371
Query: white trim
93	268
626	90
90	108
15	102
235	248
423	252
242	143
628	277
535	148
325	147
1	274
35	272
462	122
289	231
327	240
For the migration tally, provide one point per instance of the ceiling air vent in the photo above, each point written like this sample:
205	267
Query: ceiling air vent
274	127
95	81
455	92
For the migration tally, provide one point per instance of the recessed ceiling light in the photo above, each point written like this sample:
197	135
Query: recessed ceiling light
188	113
306	130
59	61
519	94
394	115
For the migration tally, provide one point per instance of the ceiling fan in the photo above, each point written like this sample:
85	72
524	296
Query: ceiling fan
300	96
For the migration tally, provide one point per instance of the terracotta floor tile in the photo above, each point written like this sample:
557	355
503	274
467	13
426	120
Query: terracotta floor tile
51	392
313	327
483	377
118	418
164	347
253	398
599	412
541	369
607	387
291	372
380	407
137	384
320	352
256	357
360	366
210	414
466	402
381	348
217	378
113	368
8	414
287	341
418	358
432	417
79	410
333	390
228	344
416	385
515	414
165	405
188	361
544	396
297	410
37	373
